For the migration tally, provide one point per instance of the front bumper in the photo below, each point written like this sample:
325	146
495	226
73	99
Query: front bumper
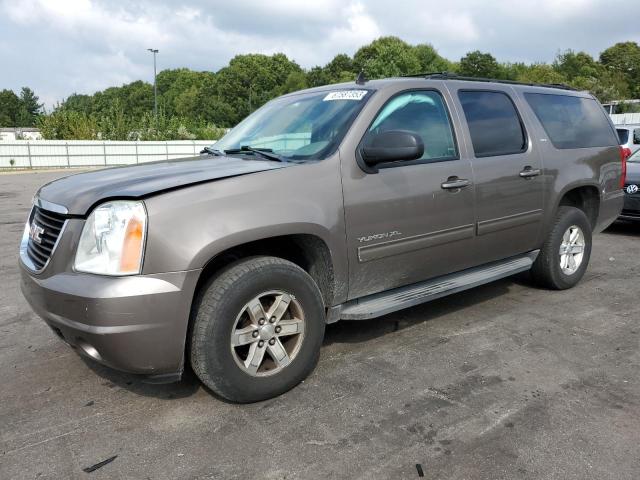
136	324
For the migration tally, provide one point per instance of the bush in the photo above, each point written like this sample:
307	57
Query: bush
115	124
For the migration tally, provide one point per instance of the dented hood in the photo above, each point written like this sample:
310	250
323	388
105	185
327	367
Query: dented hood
78	193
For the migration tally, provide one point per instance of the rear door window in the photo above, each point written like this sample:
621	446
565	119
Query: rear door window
636	136
572	122
494	123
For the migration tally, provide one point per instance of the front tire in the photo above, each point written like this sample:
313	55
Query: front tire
257	330
564	257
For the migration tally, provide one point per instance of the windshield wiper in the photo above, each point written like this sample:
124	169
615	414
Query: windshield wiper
263	152
212	151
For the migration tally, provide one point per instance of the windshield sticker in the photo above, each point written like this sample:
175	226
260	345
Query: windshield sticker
345	95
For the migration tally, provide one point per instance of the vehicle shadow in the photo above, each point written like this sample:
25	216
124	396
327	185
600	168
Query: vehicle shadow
624	227
187	387
356	331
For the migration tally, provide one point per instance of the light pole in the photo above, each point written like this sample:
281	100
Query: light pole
155	86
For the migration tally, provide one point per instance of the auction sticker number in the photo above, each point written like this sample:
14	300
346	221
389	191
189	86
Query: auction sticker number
345	95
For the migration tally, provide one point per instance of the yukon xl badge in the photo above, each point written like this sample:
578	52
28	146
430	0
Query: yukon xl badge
631	189
35	233
379	236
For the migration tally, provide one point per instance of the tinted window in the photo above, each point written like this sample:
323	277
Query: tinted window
636	136
572	122
494	124
623	135
423	113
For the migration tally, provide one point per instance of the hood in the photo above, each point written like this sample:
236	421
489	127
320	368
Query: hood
633	173
78	193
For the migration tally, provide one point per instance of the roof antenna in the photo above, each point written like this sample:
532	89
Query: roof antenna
361	79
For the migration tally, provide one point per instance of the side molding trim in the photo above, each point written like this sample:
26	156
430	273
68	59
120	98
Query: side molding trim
415	242
510	221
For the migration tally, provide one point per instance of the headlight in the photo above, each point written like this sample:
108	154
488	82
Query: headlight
112	240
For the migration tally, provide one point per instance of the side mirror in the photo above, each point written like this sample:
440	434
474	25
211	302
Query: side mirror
392	146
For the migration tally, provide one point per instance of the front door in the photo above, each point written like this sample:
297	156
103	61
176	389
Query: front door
412	220
508	173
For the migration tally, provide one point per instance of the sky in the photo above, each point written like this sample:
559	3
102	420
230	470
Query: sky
60	47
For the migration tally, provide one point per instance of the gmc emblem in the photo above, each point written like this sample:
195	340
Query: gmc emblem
35	233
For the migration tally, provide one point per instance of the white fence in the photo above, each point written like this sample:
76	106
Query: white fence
22	154
625	118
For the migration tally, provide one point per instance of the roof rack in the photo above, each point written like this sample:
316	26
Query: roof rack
453	76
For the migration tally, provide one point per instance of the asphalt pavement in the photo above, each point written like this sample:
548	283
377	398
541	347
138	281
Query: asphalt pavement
505	381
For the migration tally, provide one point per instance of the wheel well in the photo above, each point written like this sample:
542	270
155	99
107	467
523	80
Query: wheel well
307	251
586	199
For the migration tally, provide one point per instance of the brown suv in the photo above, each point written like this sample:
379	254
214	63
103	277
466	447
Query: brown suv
343	202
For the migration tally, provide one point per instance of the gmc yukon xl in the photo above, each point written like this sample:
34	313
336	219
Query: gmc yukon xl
348	201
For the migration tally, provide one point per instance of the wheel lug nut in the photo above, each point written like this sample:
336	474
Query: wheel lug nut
278	329
261	343
272	341
272	319
261	321
255	333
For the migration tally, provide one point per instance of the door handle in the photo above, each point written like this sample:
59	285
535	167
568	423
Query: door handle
453	183
529	172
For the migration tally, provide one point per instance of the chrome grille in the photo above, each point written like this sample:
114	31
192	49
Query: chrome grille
51	224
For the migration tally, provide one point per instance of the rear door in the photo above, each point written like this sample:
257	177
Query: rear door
507	170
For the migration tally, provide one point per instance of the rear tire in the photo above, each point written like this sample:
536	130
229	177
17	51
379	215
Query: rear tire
258	329
564	257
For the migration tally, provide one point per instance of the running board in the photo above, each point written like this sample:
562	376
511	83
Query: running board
383	303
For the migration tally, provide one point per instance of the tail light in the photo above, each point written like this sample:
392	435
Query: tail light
624	154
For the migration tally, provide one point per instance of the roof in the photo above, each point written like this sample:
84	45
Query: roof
382	83
453	76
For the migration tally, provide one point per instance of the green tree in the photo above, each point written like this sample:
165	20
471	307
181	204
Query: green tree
30	108
115	124
540	73
295	81
429	60
479	64
9	108
386	57
68	125
624	59
198	104
248	82
571	65
78	103
136	98
173	84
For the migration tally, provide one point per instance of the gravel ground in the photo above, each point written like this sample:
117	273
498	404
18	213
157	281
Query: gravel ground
501	382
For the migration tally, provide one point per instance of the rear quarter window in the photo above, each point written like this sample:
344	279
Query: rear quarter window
572	122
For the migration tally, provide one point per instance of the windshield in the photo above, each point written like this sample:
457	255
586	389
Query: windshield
299	127
635	158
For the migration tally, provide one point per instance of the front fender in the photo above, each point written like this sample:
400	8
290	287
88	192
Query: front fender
190	226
